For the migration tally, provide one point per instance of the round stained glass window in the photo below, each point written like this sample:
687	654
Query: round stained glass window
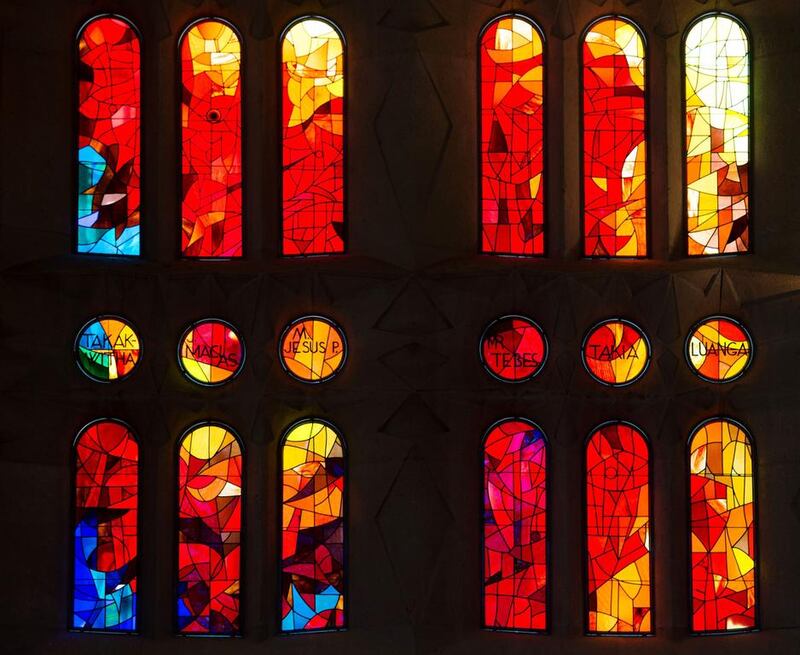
719	349
211	352
616	352
313	349
513	348
107	348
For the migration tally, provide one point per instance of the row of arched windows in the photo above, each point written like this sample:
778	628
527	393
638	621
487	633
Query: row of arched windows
618	562
615	179
209	531
618	551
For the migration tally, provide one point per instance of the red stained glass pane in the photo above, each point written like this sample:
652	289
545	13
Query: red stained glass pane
618	530
209	531
614	140
513	348
616	352
211	352
723	525
312	123
105	531
512	137
312	528
109	137
211	134
515	527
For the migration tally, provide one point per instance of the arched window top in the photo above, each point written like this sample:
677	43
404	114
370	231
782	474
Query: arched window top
724	548
313	527
515	527
105	527
109	137
716	57
210	480
211	135
512	110
614	118
313	137
618	539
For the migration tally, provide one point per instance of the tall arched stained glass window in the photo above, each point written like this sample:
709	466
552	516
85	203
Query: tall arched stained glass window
515	558
105	545
618	544
209	531
109	137
614	140
717	147
512	136
313	528
723	527
211	138
313	137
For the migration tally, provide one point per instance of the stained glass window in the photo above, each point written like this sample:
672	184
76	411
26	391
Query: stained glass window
723	527
515	526
313	349
312	528
616	352
312	123
512	136
717	61
513	348
211	352
618	564
107	348
209	531
719	349
109	137
614	140
105	546
211	137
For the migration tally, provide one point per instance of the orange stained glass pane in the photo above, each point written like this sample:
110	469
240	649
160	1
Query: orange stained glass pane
717	69
312	528
719	349
312	123
723	527
614	140
618	530
313	349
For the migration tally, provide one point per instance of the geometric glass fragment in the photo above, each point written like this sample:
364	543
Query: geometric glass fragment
312	138
513	348
109	137
717	141
618	566
512	136
614	140
211	352
515	527
312	528
209	531
719	349
211	138
616	352
105	545
107	348
313	349
723	527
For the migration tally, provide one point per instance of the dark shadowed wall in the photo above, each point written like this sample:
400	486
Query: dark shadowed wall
413	296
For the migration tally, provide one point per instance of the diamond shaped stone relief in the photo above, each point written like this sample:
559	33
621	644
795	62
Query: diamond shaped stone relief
412	127
413	363
413	420
413	521
412	312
